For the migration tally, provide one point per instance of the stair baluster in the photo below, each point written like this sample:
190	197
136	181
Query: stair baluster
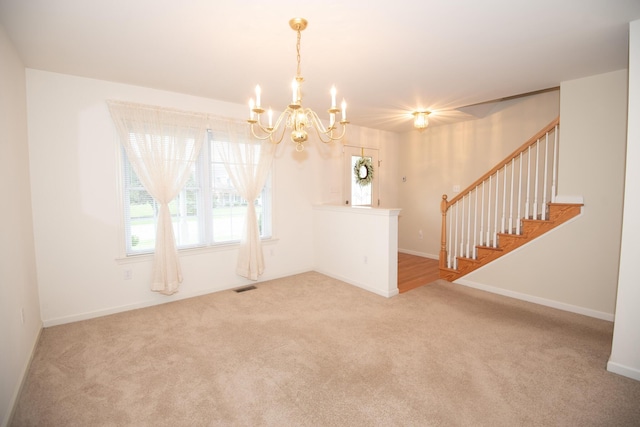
475	227
535	181
504	200
519	195
527	204
462	231
481	218
511	198
488	242
546	169
495	223
555	165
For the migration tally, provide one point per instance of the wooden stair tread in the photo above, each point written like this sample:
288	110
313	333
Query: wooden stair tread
465	259
536	220
519	236
490	248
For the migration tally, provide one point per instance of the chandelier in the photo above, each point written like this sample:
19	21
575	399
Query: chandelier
295	116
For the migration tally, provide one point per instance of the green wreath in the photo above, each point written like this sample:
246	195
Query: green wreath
363	171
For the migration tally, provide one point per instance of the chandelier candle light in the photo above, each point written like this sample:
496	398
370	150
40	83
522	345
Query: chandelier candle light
296	117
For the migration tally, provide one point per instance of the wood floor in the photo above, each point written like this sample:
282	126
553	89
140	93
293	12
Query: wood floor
415	271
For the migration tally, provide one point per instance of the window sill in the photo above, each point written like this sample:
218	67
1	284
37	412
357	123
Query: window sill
129	259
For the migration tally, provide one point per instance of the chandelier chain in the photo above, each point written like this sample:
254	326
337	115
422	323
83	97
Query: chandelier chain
298	52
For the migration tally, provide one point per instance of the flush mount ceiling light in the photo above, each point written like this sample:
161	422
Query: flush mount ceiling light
420	119
295	116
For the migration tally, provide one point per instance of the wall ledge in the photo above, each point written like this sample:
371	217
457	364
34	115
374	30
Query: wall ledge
362	210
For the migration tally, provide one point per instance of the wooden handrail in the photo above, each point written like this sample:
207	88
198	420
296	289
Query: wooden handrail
500	165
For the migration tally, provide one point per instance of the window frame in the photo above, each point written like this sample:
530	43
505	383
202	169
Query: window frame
204	205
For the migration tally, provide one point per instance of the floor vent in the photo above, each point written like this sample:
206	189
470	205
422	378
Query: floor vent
246	288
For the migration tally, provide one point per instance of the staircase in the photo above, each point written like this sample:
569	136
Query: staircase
509	206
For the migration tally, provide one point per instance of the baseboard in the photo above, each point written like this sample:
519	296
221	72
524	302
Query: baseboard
122	308
416	253
152	302
360	285
538	300
626	371
23	376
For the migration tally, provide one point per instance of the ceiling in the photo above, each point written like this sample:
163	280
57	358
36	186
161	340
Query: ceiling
386	58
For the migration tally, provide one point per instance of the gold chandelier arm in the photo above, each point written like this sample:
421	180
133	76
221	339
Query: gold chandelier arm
255	135
325	135
270	133
274	131
268	129
278	139
317	123
262	127
271	136
332	137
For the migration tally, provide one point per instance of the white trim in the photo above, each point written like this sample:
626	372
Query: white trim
23	376
626	371
390	294
119	182
417	253
538	300
153	302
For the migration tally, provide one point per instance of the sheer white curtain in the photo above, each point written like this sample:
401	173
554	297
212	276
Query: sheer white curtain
248	162
162	146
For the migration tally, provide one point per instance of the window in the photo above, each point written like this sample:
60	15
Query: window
356	195
360	195
208	211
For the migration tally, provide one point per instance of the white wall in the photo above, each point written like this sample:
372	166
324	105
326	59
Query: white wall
358	245
18	286
625	353
442	156
77	218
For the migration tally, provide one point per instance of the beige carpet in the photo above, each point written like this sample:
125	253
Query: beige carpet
312	351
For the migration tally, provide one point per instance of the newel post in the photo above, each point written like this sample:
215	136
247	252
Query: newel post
443	235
